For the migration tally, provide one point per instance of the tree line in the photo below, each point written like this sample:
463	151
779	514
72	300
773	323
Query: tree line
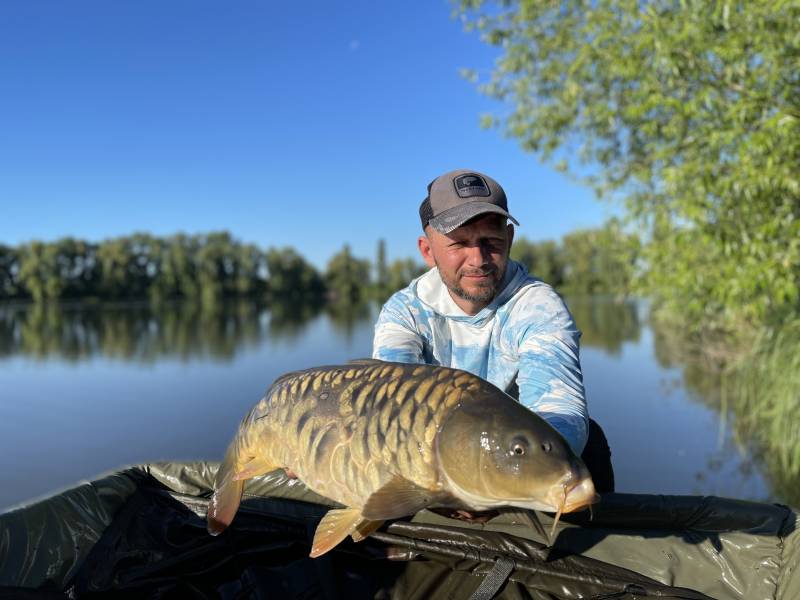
207	268
215	266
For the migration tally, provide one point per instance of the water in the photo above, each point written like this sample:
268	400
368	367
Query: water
85	390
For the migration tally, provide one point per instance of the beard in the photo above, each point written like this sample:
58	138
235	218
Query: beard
486	290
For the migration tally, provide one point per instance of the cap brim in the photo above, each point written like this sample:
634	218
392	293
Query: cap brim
458	215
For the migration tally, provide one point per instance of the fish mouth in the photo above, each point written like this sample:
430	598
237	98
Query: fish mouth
572	497
579	496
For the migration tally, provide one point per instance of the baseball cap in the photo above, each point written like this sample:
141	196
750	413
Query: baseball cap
458	196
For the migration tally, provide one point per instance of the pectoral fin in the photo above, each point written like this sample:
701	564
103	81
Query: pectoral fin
336	525
398	498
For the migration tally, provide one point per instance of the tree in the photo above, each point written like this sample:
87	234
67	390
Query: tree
291	277
39	271
215	269
381	271
9	272
401	272
542	259
77	268
115	258
600	261
690	111
178	277
347	277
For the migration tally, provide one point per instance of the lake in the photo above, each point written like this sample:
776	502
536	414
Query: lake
88	389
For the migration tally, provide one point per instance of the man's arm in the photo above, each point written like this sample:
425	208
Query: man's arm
396	337
550	379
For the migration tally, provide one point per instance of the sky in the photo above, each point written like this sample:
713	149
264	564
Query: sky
310	124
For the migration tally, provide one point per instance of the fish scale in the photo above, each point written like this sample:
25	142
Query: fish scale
352	396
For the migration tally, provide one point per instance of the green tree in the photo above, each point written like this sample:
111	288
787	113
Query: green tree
401	272
178	277
249	271
381	271
600	261
115	258
215	267
77	267
689	110
347	278
542	259
9	272
291	277
39	271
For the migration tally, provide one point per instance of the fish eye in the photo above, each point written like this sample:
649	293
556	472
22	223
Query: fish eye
519	447
547	447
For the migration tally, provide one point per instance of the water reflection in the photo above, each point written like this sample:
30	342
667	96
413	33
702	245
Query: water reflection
146	333
756	390
606	323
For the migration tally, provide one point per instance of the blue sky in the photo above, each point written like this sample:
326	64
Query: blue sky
308	124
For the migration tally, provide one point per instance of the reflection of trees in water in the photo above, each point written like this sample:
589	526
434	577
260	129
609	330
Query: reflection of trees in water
288	319
604	322
147	332
346	316
759	386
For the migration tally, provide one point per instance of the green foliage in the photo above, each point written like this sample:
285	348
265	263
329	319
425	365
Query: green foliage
401	272
202	268
589	261
690	110
544	260
347	278
9	267
291	277
392	277
600	261
381	269
39	271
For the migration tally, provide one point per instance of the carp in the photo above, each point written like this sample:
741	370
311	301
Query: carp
389	439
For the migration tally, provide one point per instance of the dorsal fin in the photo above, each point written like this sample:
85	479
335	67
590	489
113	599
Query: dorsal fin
365	361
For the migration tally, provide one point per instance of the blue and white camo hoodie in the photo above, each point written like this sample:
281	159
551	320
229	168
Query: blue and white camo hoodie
525	337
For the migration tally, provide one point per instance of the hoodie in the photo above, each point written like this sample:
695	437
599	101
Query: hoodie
525	340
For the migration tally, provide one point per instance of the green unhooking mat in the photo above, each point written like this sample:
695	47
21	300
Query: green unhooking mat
141	533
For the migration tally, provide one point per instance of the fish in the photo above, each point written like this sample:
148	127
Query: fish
386	440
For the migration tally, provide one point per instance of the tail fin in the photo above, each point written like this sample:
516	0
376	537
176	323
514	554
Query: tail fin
227	494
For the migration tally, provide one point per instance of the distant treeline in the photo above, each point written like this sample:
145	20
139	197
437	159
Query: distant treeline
215	266
207	267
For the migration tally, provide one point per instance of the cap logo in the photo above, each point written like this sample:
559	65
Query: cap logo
471	185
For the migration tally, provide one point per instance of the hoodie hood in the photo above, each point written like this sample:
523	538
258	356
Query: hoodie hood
432	292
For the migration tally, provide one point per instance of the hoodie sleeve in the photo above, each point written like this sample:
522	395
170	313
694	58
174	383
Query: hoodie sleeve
396	336
550	379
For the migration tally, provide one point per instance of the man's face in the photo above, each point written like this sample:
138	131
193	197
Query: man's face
471	259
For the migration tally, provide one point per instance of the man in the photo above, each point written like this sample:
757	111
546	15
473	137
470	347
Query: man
478	311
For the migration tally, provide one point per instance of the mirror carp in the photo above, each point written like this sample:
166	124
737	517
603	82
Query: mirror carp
389	439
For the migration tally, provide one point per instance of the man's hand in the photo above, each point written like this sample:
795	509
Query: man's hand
289	473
